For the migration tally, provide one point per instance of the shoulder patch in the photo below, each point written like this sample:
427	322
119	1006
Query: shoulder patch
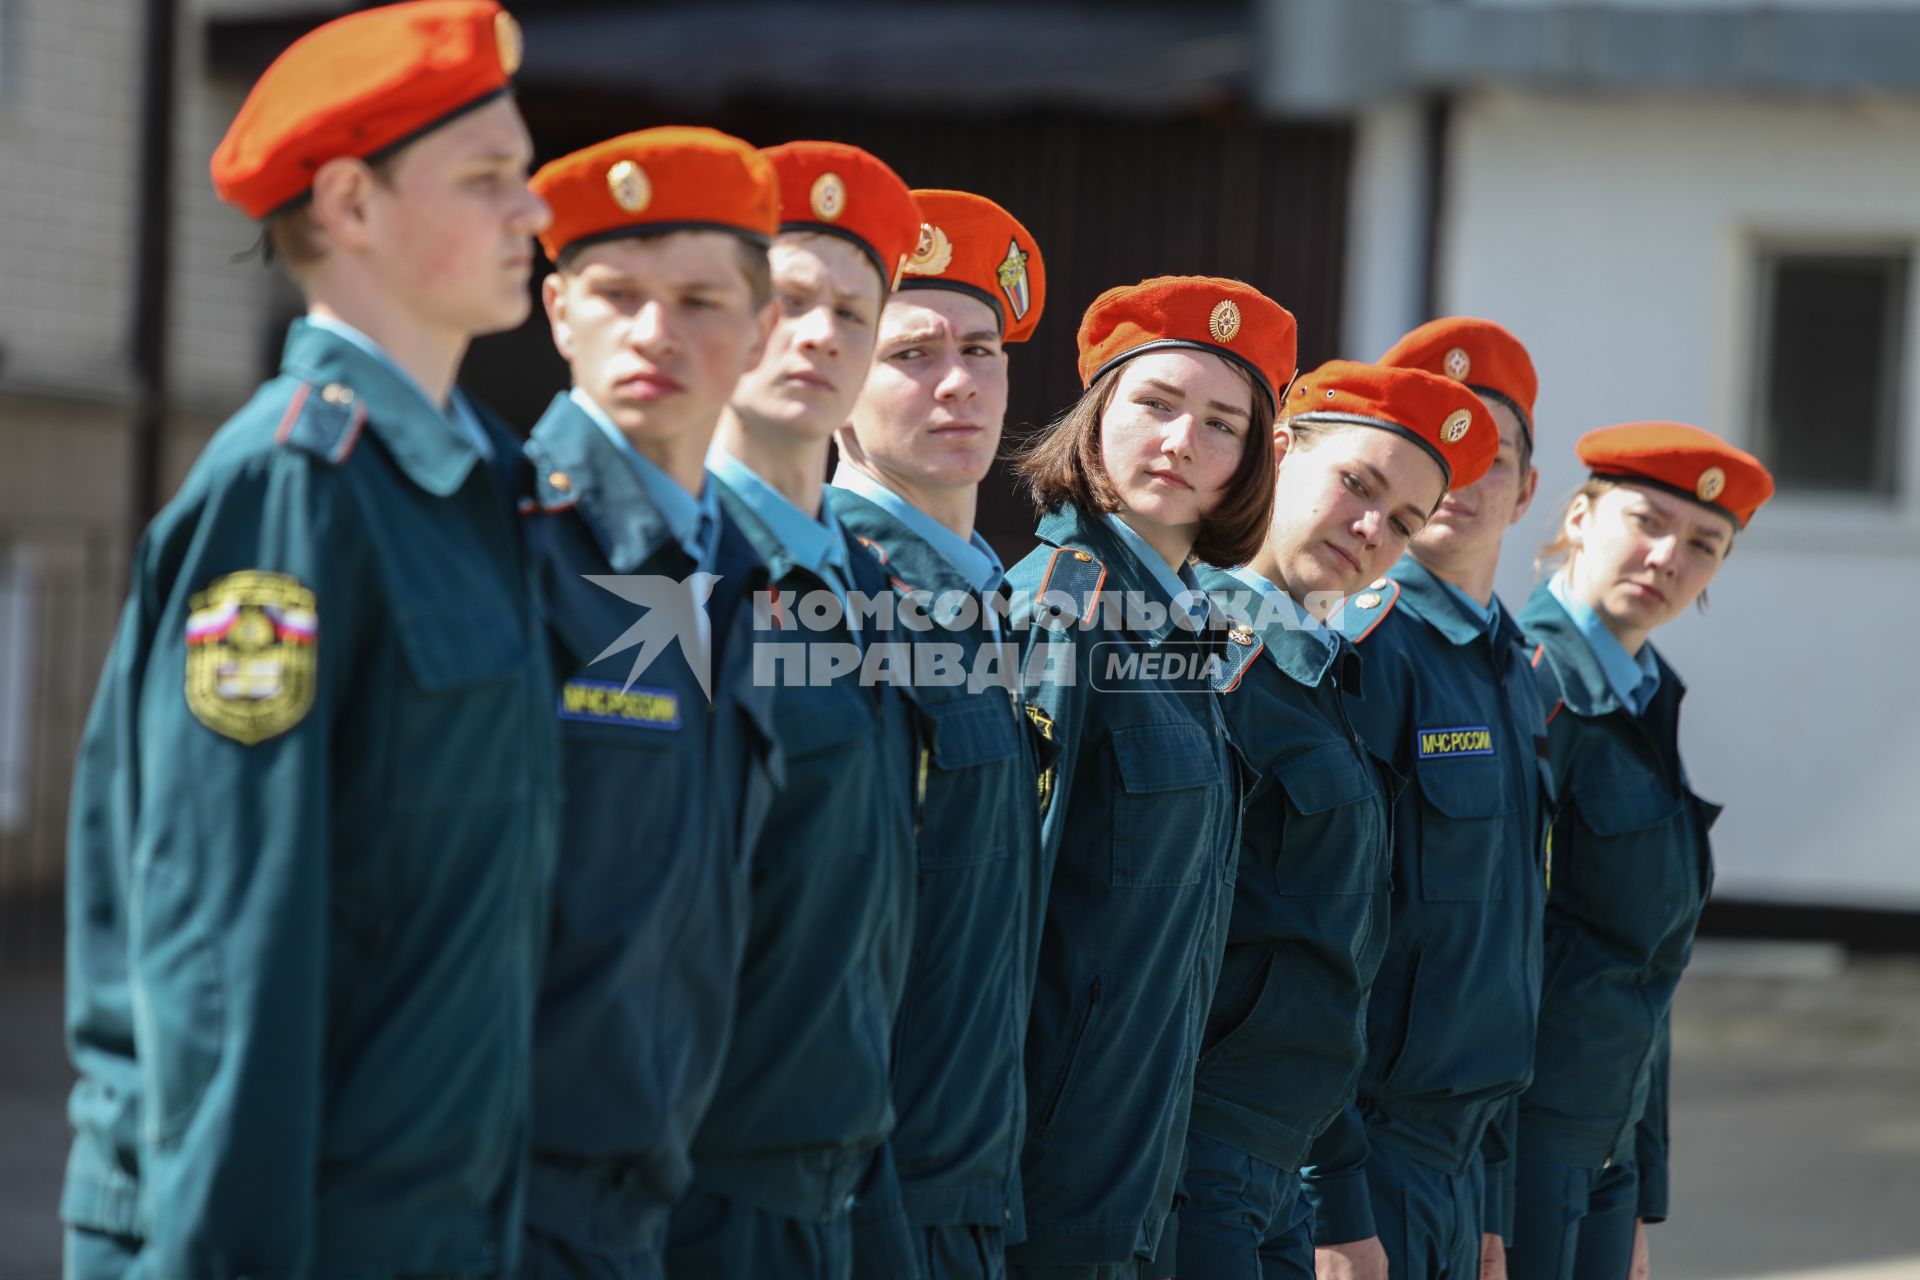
1358	615
1069	588
1242	647
251	665
325	421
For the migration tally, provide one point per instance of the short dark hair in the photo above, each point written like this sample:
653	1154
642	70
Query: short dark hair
751	258
1062	465
293	235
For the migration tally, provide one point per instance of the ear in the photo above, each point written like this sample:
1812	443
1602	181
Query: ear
1282	443
553	296
342	193
1579	516
763	323
1528	487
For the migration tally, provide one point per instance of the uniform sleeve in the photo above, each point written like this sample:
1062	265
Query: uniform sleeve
1334	1181
229	880
1650	1135
883	1237
1497	1151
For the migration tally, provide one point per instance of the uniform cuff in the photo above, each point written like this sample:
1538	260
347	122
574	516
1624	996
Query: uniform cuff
1342	1208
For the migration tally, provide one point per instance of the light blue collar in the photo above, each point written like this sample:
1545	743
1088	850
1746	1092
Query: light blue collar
458	412
1633	677
973	559
1182	588
693	522
815	543
1483	612
1280	606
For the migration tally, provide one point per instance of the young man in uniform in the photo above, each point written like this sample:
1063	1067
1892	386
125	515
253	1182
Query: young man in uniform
798	1127
659	303
1414	1175
922	437
314	808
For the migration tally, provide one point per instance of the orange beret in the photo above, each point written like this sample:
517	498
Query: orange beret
971	245
847	192
1221	317
1438	414
671	179
1480	353
358	86
1697	465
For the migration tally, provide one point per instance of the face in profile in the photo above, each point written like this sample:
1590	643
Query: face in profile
930	415
1470	523
657	330
1346	502
452	227
827	298
1641	556
1172	435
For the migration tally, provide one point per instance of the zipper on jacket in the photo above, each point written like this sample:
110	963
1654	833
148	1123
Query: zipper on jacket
1073	1060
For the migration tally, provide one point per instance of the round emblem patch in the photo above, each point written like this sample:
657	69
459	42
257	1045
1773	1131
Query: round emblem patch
1224	323
628	185
828	197
1241	636
1713	482
1454	429
1458	364
934	253
509	42
251	665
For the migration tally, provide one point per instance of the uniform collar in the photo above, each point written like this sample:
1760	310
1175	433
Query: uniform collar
1295	641
568	446
978	568
1178	586
422	439
784	535
1127	570
693	522
1440	606
1634	678
1584	685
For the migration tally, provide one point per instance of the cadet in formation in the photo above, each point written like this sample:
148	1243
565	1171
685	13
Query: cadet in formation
797	1129
923	435
1414	1174
1631	867
315	804
1361	459
659	303
1165	456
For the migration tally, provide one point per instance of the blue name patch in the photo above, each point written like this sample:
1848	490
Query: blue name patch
1467	740
601	702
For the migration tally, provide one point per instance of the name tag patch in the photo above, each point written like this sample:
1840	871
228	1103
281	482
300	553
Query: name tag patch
1465	740
603	702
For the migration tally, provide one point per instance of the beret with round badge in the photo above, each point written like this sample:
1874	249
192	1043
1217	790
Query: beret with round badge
1440	415
1479	353
971	245
360	86
843	191
1694	464
1222	317
655	181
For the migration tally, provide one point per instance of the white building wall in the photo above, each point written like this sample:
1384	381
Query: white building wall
1614	236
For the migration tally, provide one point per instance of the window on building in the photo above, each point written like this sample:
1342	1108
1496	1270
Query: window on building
1828	368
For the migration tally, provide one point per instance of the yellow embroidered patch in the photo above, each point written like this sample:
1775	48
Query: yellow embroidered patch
253	641
1044	723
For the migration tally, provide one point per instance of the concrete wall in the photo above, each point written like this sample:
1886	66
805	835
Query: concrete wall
1616	237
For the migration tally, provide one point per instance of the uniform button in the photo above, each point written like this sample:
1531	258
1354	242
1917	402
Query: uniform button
559	480
1082	556
1607	1163
336	393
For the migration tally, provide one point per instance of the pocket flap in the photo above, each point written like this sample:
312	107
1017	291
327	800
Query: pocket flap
1325	778
1615	804
1164	757
1465	788
972	730
452	647
813	719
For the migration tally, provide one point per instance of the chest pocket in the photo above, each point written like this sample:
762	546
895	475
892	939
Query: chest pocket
1464	803
1163	808
1337	842
468	671
813	721
1634	847
974	738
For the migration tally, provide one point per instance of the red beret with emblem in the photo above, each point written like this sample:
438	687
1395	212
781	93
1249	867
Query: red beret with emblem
1479	353
359	86
678	178
1440	415
847	192
971	245
1222	317
1697	465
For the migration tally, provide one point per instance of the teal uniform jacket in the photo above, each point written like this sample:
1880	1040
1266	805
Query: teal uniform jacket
1142	825
803	1107
957	1077
1631	870
666	794
313	829
1451	705
1287	1033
